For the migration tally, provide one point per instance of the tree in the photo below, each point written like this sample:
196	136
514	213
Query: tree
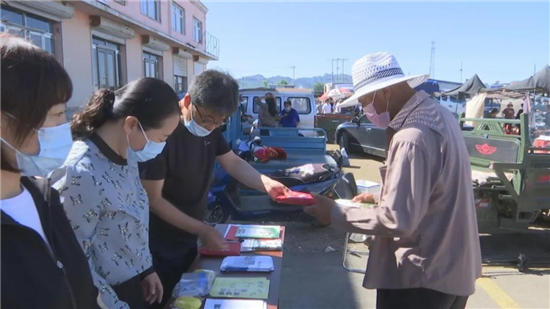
319	87
283	82
265	84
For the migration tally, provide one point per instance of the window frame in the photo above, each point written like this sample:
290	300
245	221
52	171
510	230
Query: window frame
255	108
184	83
308	105
196	21
176	7
149	58
23	30
106	46
145	10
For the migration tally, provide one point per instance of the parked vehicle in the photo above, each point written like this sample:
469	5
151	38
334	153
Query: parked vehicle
360	135
302	101
228	198
330	122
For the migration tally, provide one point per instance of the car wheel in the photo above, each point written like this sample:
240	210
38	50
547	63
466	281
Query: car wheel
343	142
215	214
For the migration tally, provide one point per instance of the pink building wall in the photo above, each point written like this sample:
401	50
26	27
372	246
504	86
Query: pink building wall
77	58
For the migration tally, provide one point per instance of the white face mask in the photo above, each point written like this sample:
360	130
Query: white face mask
194	127
287	109
150	151
55	145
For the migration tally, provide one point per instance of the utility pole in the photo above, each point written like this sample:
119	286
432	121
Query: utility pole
432	61
461	70
332	80
293	74
343	76
337	68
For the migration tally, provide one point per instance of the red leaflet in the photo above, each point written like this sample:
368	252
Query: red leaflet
296	198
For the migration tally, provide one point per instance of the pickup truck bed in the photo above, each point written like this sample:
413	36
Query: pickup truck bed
300	149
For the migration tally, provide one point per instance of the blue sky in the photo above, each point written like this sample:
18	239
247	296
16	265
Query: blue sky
500	41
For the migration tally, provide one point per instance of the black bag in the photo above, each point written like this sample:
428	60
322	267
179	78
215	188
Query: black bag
305	174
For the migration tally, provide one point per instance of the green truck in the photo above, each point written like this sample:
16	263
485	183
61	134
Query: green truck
511	178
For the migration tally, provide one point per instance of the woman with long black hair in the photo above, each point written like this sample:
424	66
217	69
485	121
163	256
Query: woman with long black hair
268	116
102	192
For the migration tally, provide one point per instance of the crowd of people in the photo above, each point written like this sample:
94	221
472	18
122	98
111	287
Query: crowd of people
131	173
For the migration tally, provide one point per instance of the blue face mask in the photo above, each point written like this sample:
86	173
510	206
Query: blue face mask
55	142
55	145
194	127
150	151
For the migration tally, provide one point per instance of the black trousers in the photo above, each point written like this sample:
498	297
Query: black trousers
131	293
170	264
418	299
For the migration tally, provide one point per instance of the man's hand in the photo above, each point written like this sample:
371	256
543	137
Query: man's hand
322	209
364	198
274	188
152	289
211	238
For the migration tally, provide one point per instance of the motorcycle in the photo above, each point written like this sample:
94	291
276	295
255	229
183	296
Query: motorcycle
227	197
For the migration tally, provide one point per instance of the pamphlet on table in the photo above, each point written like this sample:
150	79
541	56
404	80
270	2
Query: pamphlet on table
248	263
254	288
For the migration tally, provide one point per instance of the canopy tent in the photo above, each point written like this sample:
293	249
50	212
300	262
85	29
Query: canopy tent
538	82
469	88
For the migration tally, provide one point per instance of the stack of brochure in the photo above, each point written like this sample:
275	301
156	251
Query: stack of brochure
234	304
258	231
250	245
247	264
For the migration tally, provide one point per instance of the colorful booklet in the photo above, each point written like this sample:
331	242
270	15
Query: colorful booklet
234	304
249	263
250	245
254	288
231	249
258	231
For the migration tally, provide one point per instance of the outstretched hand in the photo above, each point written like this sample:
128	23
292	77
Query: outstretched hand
274	188
322	209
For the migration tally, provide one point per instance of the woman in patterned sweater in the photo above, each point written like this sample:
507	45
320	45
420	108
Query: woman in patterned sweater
102	193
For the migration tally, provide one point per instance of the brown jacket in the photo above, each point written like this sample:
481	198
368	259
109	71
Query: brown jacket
425	224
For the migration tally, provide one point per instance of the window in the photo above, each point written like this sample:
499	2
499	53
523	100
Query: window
151	65
178	18
180	84
244	104
106	64
36	29
151	8
197	30
256	109
301	105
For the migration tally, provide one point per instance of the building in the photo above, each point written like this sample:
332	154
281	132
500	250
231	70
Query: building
108	43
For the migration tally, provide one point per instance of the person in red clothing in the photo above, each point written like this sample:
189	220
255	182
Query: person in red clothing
509	113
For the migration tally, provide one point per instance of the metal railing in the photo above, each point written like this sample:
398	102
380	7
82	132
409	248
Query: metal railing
212	45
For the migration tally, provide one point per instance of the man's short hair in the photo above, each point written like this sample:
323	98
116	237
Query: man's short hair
216	91
288	102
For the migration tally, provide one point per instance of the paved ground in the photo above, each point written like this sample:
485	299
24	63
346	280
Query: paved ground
313	278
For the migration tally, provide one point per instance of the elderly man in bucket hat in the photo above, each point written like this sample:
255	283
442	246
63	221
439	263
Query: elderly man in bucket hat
425	252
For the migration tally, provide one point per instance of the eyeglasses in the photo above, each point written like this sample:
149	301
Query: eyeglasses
209	122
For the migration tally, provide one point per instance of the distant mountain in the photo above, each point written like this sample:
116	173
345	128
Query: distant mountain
255	81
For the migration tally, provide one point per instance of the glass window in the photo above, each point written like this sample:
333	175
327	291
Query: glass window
151	65
198	68
12	16
33	28
151	8
197	30
180	84
106	64
39	24
178	19
256	109
244	104
301	105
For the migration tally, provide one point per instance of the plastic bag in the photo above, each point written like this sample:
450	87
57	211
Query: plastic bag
196	284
